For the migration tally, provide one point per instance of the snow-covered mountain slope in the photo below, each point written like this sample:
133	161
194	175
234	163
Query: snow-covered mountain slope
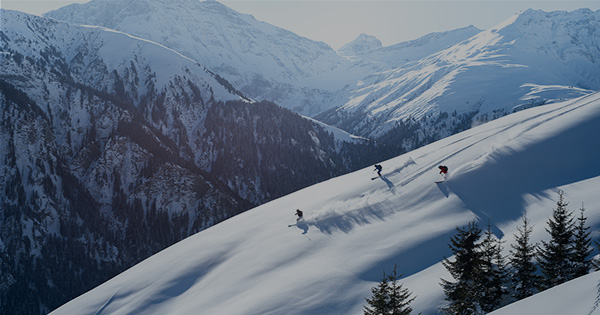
356	227
263	61
369	47
93	83
531	58
578	297
101	58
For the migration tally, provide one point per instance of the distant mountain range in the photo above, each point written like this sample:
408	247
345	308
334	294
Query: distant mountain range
263	61
370	48
532	58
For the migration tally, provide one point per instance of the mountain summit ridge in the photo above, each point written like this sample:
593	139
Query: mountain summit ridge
263	61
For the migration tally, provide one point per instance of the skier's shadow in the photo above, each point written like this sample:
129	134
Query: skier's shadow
303	226
389	183
444	189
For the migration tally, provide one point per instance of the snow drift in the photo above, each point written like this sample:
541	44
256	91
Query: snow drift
356	227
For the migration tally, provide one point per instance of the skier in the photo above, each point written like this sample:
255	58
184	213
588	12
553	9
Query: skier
299	214
378	168
443	170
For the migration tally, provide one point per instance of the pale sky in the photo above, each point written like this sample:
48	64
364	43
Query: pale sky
337	22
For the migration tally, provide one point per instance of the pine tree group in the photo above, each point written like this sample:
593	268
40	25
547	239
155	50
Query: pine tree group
482	278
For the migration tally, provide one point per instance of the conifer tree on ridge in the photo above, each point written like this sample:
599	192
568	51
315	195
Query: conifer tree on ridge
522	260
582	247
556	256
389	297
464	294
493	278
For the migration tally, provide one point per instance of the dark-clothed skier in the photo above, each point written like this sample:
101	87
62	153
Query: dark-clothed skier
378	168
299	214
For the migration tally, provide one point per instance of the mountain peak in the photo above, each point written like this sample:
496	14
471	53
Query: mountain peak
362	44
537	18
263	61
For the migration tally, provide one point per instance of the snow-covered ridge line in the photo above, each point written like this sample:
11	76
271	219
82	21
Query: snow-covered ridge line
106	29
112	48
263	61
338	134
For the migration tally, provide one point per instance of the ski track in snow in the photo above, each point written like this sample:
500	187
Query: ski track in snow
473	133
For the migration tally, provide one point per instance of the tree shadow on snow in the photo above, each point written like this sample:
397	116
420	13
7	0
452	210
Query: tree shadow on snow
345	222
181	284
413	259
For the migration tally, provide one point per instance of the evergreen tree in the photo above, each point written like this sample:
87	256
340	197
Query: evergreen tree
523	273
464	295
378	303
582	244
556	256
493	278
389	297
400	298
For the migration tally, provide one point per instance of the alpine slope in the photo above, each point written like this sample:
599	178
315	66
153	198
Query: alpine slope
355	228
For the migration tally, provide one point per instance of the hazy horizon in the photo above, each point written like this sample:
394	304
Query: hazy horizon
337	22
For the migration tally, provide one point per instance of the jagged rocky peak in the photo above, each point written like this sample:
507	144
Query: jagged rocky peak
362	44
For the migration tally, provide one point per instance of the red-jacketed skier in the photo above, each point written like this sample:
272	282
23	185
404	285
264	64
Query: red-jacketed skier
443	170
